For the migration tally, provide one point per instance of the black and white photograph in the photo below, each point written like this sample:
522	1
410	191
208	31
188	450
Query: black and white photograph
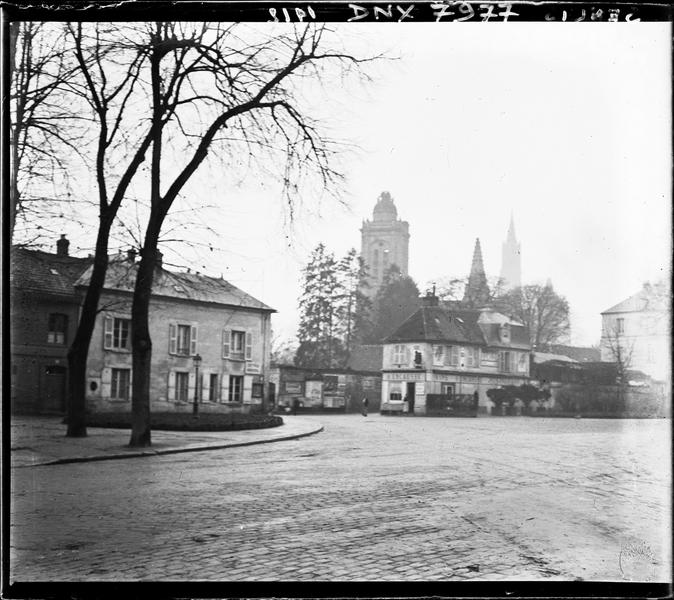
337	292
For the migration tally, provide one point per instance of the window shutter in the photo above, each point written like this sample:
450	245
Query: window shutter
225	344
247	389
172	339
107	335
249	345
106	380
225	388
171	393
407	355
190	386
193	340
205	385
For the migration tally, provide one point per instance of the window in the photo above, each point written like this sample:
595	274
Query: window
504	362
257	390
451	356
620	325
472	357
398	354
182	386
119	384
213	387
182	339
438	355
117	334
505	332
522	363
58	325
238	343
375	263
395	396
235	388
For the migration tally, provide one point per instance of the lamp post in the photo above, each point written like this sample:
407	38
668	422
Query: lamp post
197	364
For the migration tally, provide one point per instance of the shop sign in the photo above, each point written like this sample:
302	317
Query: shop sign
314	390
252	367
420	389
293	387
405	376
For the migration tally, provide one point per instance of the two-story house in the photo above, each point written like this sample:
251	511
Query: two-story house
637	331
191	316
44	312
447	351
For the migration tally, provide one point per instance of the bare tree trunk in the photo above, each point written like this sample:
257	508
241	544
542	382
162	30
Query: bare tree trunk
79	350
142	348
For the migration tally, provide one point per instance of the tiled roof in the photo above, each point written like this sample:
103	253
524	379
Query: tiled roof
439	324
366	357
121	275
577	353
655	297
37	271
542	357
434	323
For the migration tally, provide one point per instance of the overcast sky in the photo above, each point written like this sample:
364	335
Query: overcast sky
567	126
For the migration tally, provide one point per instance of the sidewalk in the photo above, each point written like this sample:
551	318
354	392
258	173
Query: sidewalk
42	441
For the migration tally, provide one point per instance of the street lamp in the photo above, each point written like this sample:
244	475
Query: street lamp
197	364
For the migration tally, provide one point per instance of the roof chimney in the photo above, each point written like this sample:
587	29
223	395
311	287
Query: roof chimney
430	299
131	254
62	246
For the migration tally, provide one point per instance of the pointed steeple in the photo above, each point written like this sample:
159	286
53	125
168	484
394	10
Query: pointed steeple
511	260
477	290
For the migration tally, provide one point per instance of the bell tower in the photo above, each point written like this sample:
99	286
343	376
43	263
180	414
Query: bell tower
384	242
511	259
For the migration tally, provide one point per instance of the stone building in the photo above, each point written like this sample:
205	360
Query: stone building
384	242
449	351
641	326
44	312
511	260
190	315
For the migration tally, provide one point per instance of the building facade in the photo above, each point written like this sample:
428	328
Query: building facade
190	315
639	329
511	260
452	352
44	312
384	242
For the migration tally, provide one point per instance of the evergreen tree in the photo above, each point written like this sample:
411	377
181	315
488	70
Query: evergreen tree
353	306
318	334
397	299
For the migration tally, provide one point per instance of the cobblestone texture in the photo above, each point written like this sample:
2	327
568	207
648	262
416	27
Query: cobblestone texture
376	498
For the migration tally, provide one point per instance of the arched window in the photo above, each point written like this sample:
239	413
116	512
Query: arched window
375	263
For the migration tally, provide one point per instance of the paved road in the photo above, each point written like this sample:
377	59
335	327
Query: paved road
376	498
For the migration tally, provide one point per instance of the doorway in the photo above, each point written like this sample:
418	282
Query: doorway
54	397
410	396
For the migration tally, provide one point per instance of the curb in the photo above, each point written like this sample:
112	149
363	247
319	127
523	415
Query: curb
142	453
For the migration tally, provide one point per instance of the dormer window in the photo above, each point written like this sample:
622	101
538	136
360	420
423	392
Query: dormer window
505	333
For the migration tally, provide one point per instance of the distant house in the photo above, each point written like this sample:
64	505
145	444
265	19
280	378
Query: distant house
44	312
641	326
451	352
190	315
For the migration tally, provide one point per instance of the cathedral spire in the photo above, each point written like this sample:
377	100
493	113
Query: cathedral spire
511	259
477	290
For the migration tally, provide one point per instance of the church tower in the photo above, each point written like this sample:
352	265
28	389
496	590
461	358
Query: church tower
477	290
511	260
384	242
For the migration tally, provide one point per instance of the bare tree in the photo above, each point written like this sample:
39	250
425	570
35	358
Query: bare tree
620	350
544	312
44	127
451	290
224	80
107	93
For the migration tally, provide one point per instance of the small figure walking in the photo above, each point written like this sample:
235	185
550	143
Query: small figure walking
296	404
365	406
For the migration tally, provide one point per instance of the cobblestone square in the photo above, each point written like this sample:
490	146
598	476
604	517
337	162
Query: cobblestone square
376	498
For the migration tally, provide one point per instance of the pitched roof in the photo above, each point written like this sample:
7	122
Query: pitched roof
577	353
37	271
519	337
121	276
543	357
435	323
649	297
